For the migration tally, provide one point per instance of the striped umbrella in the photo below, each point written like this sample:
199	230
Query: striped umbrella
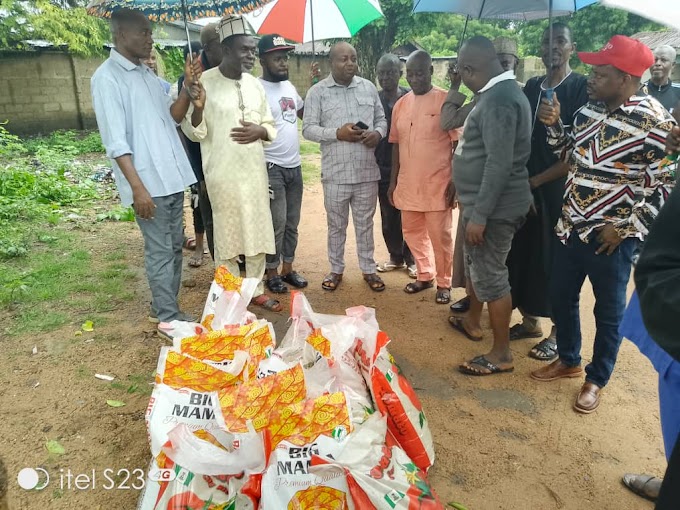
174	10
295	19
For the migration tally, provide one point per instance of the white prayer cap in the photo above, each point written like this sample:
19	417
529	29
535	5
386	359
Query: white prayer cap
231	25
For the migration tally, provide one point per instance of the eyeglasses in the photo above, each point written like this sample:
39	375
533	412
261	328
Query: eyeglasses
241	104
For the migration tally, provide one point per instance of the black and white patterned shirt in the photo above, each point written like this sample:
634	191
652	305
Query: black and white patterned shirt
619	173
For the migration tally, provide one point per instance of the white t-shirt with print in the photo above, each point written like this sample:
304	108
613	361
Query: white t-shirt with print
284	102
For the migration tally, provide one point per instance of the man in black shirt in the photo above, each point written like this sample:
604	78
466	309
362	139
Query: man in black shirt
389	71
530	259
660	86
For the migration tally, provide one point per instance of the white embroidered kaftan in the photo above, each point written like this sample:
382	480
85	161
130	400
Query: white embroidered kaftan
235	175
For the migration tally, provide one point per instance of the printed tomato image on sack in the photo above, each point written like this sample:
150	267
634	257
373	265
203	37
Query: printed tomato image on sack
303	422
395	398
259	399
180	371
219	348
319	498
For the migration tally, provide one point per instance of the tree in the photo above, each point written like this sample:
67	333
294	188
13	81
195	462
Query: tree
445	37
41	19
379	37
592	27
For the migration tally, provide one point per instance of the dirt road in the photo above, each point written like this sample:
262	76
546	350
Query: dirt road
502	442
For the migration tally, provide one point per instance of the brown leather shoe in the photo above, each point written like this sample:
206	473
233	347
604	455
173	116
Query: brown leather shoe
556	370
588	399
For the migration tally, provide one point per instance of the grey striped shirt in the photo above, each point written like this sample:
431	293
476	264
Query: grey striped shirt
328	106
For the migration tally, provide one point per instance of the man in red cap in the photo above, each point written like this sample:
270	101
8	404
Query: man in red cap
614	191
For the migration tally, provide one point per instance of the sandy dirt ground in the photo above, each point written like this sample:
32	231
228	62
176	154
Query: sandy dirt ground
502	442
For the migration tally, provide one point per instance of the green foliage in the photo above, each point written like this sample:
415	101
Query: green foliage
592	27
38	180
41	19
70	142
446	31
118	213
377	38
84	35
173	59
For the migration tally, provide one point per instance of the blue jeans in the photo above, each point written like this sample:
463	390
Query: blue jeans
609	275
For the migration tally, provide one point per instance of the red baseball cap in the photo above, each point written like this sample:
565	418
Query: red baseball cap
626	54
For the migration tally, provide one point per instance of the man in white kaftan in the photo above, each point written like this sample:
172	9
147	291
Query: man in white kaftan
232	126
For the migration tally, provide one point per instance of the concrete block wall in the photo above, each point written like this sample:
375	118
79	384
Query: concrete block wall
44	91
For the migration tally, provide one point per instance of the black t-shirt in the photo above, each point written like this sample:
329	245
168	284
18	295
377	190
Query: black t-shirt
572	95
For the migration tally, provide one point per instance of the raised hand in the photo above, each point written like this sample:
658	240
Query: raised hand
549	111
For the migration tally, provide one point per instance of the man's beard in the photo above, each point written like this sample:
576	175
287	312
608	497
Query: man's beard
278	77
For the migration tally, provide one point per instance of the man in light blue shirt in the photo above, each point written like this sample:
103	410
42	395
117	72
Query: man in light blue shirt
138	125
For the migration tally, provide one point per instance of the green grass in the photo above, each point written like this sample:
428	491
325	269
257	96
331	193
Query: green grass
48	278
311	172
307	147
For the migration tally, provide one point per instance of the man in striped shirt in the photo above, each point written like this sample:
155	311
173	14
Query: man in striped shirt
616	186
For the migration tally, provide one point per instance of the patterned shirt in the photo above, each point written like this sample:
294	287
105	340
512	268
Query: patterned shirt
616	175
328	106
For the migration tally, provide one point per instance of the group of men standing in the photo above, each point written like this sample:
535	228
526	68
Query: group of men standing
556	180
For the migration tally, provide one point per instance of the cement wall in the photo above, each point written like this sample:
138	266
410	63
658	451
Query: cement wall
44	91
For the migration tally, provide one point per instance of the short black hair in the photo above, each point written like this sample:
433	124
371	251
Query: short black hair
560	25
195	48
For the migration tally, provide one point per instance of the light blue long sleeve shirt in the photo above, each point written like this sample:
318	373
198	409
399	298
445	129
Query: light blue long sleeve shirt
133	115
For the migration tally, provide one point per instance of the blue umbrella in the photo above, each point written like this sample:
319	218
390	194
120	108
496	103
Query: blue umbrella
503	9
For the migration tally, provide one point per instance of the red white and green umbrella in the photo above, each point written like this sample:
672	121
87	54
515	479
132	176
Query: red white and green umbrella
309	20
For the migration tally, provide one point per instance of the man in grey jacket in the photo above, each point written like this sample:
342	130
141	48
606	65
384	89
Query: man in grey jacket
493	187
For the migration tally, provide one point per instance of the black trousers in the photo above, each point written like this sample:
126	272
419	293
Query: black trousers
391	223
669	497
206	214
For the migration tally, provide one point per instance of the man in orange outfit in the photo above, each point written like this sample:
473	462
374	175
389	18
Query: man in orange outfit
421	177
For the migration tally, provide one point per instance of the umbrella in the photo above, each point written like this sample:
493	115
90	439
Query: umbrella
174	10
295	21
662	11
503	9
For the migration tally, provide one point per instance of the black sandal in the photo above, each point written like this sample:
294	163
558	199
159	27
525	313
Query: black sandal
481	361
331	281
275	284
293	278
375	283
417	286
443	296
545	350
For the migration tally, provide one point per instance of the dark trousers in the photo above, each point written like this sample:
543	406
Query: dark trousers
669	497
196	210
391	223
206	214
609	275
286	203
163	236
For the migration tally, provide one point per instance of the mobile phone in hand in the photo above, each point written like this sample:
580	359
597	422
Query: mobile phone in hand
360	125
